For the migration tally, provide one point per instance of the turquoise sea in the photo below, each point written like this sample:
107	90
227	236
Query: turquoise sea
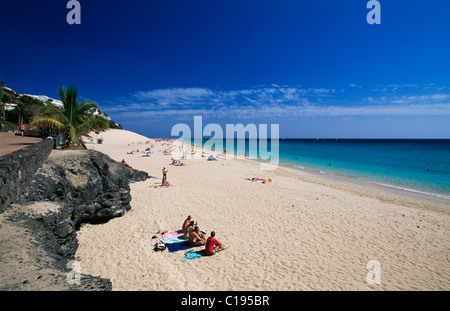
421	165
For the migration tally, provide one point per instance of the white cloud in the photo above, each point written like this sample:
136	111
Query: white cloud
276	101
174	95
355	85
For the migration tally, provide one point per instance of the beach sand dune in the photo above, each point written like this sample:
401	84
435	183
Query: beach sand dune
302	232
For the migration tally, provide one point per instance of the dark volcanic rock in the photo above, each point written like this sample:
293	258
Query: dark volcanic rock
82	186
97	186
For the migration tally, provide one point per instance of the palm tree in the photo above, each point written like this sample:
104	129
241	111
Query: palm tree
72	120
23	107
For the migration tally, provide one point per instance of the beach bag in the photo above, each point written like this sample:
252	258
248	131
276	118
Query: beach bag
159	247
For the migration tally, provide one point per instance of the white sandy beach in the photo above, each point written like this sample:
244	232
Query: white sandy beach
302	232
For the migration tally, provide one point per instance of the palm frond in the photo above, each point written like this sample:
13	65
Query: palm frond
74	119
47	121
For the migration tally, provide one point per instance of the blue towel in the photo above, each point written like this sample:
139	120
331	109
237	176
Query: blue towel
194	255
179	246
174	240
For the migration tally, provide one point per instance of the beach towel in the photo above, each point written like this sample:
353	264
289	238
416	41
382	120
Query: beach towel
179	246
194	255
172	234
173	240
264	181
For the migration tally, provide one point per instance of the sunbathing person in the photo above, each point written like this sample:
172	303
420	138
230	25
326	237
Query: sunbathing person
213	245
189	229
177	162
257	178
186	224
211	158
196	237
165	182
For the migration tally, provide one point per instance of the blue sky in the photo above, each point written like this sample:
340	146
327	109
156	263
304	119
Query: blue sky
315	67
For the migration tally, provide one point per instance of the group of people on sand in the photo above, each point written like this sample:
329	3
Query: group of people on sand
177	162
196	237
263	180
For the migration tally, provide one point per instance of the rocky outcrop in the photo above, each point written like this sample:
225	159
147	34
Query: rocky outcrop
37	240
82	186
97	186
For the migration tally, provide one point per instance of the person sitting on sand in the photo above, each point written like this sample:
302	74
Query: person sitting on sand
177	163
211	158
196	237
186	224
189	229
213	245
164	182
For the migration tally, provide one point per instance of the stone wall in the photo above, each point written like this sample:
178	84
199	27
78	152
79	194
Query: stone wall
17	171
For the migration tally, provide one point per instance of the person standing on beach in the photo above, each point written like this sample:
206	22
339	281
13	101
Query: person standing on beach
22	128
213	245
165	182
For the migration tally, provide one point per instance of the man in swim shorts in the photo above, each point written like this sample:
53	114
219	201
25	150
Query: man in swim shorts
213	245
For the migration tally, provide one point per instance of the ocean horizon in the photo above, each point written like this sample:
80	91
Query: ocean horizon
415	165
